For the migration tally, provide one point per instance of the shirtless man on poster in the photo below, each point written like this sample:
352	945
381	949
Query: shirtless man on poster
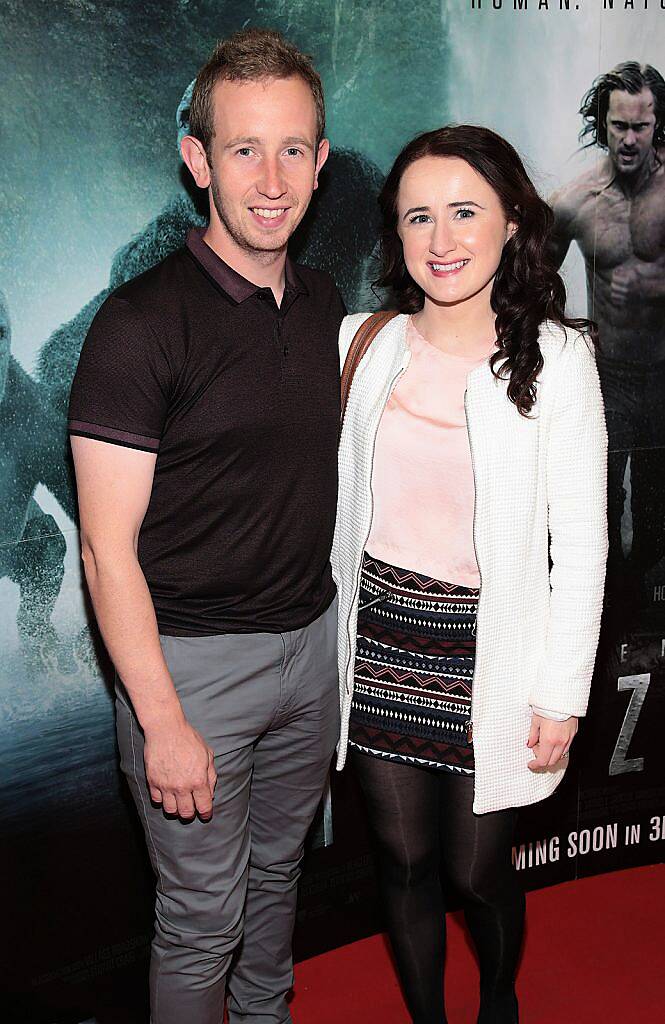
616	214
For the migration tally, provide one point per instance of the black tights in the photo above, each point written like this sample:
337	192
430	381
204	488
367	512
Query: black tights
422	819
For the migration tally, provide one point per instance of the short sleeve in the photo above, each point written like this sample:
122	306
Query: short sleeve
122	384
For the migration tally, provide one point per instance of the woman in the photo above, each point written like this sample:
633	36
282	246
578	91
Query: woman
473	449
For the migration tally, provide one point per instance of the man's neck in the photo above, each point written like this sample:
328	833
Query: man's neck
265	269
632	184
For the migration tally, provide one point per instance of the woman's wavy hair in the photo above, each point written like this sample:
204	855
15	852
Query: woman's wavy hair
527	288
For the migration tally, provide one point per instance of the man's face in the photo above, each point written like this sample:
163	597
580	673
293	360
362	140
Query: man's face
631	122
265	160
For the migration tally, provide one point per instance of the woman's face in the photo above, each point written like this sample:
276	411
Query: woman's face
453	229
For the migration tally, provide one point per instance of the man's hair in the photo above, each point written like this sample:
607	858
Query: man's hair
628	77
250	56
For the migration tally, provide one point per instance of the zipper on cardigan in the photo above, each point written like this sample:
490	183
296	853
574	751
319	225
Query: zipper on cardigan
376	600
469	728
393	384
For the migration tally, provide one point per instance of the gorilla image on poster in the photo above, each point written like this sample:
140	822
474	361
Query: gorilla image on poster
31	446
348	176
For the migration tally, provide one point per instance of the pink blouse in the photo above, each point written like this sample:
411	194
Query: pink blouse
422	478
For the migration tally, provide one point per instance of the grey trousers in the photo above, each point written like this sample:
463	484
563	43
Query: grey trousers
267	704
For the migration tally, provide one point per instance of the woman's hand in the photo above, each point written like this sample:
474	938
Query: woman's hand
550	741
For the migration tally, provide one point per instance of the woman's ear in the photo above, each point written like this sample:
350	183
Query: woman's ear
512	225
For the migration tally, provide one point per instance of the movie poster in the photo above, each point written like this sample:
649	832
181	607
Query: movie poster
565	83
95	97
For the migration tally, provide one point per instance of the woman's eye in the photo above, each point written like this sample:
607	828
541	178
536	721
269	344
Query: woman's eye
419	218
464	214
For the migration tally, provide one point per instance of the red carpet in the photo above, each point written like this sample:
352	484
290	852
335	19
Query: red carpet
594	954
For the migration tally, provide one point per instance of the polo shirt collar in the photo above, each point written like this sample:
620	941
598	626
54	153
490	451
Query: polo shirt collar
233	283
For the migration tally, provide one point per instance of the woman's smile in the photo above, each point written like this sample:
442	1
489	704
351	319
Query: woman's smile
446	269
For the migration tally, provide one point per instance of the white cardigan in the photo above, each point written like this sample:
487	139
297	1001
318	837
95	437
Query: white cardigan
540	486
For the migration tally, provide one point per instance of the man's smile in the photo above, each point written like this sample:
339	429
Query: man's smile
269	216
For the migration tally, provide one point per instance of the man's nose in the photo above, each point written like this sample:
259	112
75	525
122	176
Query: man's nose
630	138
271	183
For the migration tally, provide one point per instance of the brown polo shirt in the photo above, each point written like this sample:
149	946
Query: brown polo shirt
239	399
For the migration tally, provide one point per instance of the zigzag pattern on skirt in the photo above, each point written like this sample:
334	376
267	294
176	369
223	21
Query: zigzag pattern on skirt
415	657
407	750
417	640
409	583
406	682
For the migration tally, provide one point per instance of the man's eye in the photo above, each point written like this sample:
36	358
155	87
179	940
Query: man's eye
292	151
244	151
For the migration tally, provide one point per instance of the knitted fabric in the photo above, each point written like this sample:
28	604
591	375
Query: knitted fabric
540	485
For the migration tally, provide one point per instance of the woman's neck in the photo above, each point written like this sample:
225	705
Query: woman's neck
465	328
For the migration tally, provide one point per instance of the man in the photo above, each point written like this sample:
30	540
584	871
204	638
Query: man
204	416
616	214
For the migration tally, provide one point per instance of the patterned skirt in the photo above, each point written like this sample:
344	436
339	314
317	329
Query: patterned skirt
414	666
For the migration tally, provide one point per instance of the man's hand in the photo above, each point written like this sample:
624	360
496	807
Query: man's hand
624	285
550	741
638	282
180	769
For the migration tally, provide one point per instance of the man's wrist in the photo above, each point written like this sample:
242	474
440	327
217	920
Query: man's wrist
162	718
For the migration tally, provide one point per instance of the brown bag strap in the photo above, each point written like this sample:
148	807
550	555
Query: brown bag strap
362	340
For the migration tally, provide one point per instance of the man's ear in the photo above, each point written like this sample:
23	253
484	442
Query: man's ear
322	154
195	157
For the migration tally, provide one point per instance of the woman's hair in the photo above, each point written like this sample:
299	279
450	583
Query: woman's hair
527	288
